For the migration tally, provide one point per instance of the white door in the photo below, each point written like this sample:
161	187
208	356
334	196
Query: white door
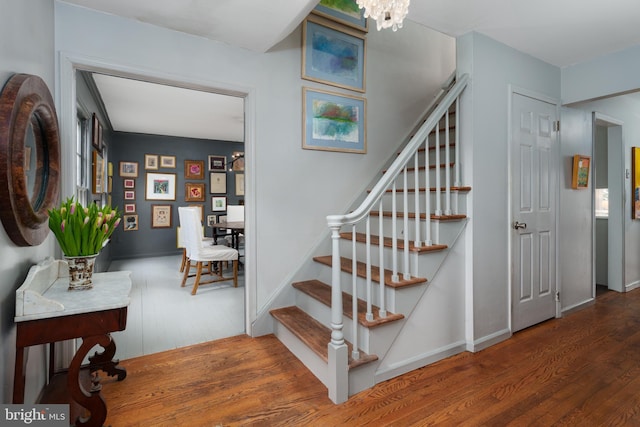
533	199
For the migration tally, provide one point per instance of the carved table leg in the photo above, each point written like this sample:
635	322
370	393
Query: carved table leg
105	361
93	402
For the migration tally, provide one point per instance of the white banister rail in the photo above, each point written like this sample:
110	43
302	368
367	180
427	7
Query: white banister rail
373	205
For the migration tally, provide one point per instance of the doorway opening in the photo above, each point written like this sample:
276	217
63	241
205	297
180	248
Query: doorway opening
608	206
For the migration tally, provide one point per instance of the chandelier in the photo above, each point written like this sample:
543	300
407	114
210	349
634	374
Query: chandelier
387	13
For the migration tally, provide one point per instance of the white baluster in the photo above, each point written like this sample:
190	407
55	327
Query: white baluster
394	235
405	202
438	202
447	169
369	315
383	311
428	241
416	199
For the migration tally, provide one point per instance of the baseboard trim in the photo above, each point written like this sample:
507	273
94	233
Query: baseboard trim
419	361
489	340
631	286
579	306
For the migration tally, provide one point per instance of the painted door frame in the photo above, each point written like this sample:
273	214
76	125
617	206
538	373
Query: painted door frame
615	224
512	90
66	97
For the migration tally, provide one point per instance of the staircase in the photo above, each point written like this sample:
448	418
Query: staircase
348	316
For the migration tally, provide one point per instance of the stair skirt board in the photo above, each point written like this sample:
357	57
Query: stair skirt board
304	353
420	361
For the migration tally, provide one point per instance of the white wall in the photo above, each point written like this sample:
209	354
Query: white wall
492	67
292	190
26	46
615	73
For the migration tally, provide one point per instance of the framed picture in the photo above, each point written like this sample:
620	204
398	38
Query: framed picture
345	12
96	132
218	163
129	195
129	208
219	203
201	208
130	222
194	169
160	186
160	216
635	182
238	161
333	122
211	219
97	183
217	183
129	183
129	169
168	162
194	192
580	178
151	161
239	184
333	55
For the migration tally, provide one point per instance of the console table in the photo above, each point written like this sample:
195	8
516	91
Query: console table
47	312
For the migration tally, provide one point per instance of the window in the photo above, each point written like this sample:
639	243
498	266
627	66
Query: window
602	203
82	160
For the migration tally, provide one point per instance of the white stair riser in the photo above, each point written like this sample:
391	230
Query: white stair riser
311	360
442	232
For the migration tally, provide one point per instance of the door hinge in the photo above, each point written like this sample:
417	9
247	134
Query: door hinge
558	296
556	126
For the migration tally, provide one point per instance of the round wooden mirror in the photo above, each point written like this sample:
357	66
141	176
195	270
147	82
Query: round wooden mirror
29	159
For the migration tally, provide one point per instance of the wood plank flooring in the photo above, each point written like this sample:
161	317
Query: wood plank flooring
581	370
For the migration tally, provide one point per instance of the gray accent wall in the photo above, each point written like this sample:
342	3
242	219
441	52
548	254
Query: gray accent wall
128	147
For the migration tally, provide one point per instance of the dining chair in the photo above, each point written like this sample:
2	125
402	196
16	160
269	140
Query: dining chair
203	254
180	245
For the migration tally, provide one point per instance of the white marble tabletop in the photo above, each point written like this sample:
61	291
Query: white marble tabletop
110	290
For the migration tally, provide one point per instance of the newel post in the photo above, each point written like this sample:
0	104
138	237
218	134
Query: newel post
338	369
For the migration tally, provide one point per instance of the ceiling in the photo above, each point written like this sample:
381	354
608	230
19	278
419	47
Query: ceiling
561	33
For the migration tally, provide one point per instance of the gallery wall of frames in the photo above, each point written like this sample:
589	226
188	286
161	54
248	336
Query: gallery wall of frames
153	175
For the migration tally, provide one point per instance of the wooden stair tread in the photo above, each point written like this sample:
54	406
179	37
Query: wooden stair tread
388	242
388	214
322	292
314	334
346	266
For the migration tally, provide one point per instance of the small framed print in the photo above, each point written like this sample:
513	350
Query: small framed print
194	192
160	216
129	169
129	195
219	203
217	163
129	183
96	133
168	162
238	161
240	184
194	169
130	222
211	220
160	186
129	208
151	161
217	183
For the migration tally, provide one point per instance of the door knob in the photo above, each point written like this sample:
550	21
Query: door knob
519	225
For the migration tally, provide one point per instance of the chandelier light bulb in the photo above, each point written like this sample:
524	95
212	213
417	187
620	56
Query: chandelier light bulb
386	13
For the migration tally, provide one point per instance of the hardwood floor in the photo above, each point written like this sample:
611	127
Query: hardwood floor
581	370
